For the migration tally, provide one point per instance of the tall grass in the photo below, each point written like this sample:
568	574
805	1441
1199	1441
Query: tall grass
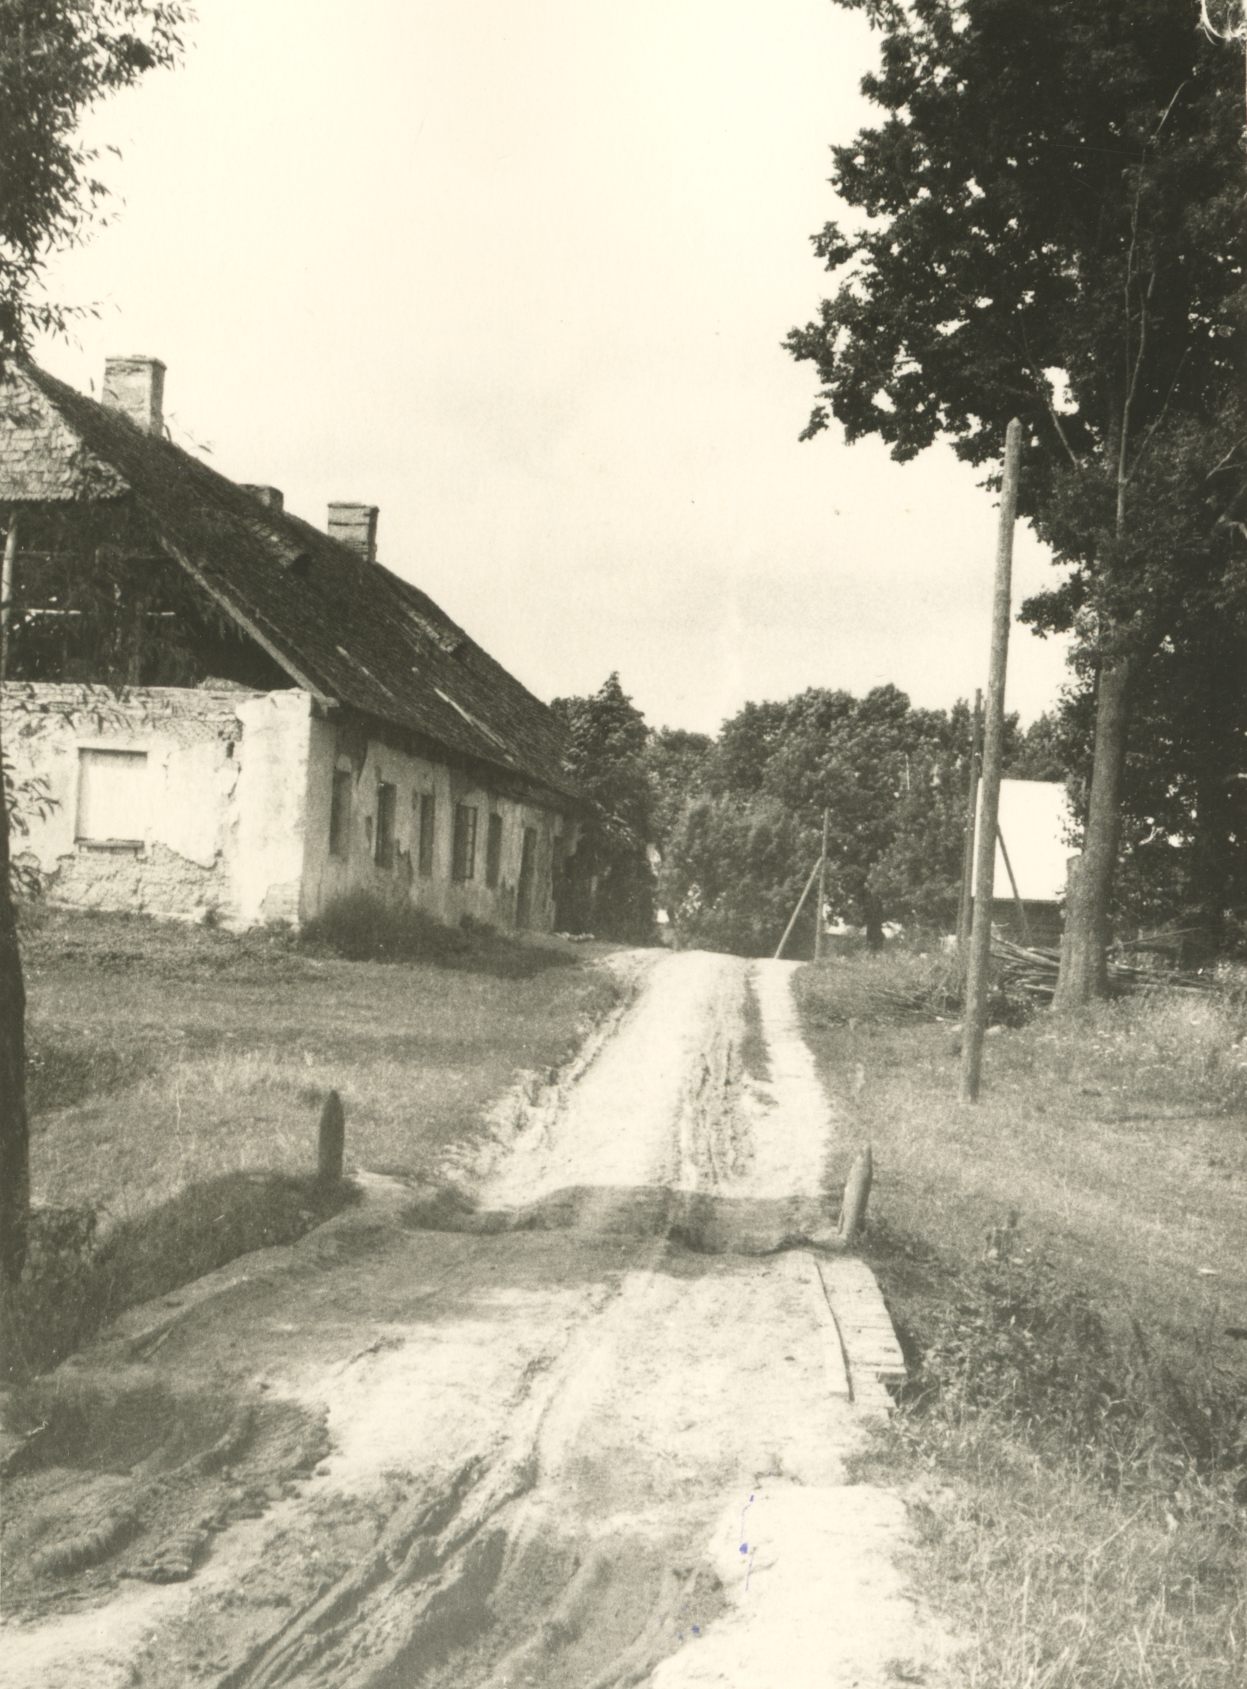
180	1071
1067	1263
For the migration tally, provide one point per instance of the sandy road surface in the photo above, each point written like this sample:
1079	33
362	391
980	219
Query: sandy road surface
583	1424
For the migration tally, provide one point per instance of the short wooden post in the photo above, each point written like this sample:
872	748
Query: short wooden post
331	1140
856	1196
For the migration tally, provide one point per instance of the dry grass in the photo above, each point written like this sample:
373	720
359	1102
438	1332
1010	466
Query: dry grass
1077	1421
164	1056
177	1076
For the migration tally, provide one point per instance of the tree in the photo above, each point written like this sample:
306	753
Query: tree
675	762
57	59
893	782
1045	204
609	887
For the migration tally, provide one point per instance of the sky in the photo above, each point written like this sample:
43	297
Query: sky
519	274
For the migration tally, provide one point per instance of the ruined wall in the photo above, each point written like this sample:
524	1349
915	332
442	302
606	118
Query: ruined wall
163	800
364	762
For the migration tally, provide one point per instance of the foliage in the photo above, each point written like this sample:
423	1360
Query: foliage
675	762
609	886
893	781
1042	207
57	59
362	927
732	874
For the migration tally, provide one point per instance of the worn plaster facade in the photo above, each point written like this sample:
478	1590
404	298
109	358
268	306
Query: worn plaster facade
234	714
171	801
253	807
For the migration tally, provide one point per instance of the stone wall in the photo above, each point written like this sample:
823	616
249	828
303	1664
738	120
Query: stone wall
162	800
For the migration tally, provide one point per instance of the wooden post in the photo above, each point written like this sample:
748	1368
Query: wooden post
1018	905
6	591
822	893
974	1013
856	1196
331	1140
779	949
967	851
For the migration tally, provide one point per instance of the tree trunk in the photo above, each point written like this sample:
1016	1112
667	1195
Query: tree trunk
1084	971
14	1135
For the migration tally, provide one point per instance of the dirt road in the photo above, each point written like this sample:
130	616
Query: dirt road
579	1417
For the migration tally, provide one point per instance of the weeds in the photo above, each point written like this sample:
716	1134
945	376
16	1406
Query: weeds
365	928
1075	1418
74	1280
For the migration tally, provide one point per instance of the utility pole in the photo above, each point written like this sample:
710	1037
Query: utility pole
974	1012
967	852
822	893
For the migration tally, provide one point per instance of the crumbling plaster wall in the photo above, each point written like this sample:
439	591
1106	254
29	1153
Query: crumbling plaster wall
340	744
218	825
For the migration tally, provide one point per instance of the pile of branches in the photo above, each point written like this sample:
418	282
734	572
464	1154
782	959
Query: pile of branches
1031	971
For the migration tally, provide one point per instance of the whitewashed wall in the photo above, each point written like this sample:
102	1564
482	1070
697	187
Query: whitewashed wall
212	822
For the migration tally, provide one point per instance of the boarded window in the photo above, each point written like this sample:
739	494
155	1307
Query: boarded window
383	840
340	813
428	832
464	862
112	797
493	850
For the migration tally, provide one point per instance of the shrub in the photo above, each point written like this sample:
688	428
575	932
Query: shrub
365	928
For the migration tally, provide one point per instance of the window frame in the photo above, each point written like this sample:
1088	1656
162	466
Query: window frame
426	833
463	856
493	850
341	812
134	842
385	825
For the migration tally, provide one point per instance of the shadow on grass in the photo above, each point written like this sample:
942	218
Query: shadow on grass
363	928
73	1284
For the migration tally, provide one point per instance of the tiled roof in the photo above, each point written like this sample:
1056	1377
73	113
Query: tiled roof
344	628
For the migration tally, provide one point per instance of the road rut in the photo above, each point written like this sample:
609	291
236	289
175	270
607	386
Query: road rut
584	1421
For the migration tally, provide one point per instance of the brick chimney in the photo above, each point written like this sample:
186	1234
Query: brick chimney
136	388
355	525
270	497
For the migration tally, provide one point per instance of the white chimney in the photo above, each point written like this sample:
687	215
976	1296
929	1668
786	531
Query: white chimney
355	525
136	388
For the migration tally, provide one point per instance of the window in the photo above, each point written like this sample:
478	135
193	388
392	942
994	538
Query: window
340	813
428	832
493	850
383	841
112	798
464	863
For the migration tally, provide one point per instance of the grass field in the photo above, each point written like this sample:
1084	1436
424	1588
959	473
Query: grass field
161	1055
1067	1262
176	1076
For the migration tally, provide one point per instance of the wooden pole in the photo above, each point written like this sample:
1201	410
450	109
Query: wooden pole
779	950
822	895
1018	905
974	1015
967	851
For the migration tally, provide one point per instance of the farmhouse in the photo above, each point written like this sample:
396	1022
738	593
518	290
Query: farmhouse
214	710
